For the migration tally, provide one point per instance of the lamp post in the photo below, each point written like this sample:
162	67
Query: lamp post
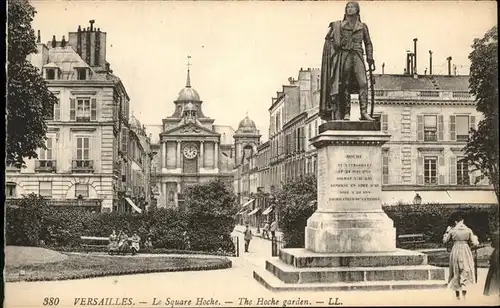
417	200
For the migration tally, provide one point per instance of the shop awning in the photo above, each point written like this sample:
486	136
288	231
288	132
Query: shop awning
253	212
132	204
248	202
440	197
474	197
243	211
267	211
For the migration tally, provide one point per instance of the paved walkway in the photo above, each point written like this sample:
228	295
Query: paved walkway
241	229
231	287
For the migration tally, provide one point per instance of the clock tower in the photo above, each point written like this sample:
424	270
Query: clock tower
190	149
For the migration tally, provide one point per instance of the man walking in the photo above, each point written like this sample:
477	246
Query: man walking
248	238
274	226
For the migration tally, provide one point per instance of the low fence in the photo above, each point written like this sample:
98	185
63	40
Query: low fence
236	242
277	243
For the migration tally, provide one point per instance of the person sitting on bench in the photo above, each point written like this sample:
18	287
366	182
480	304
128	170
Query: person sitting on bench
113	241
135	242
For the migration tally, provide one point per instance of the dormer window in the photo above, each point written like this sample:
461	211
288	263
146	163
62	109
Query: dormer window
81	73
51	74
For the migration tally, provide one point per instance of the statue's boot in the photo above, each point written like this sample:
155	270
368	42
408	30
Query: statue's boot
347	107
366	117
363	106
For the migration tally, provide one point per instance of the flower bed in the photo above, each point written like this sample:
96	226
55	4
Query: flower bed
87	266
150	251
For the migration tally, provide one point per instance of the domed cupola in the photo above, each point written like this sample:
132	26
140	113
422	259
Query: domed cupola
247	126
134	122
188	94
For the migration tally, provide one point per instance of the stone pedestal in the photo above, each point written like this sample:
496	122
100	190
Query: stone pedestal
350	243
349	217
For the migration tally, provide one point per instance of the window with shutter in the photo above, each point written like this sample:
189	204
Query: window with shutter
72	109
385	167
385	122
81	190
440	128
420	170
57	110
45	189
430	128
82	148
453	135
462	172
472	121
420	128
441	163
462	127
124	140
93	109
453	170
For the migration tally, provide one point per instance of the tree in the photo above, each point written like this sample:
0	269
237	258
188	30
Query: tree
295	206
482	147
211	214
29	101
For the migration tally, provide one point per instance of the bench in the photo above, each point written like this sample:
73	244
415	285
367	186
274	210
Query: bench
104	240
411	240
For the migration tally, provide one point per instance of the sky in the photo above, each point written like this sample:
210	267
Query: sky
243	52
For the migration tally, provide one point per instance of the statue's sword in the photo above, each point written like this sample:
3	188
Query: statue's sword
371	68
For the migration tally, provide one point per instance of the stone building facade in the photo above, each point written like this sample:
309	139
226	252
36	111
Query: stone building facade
427	116
85	160
190	150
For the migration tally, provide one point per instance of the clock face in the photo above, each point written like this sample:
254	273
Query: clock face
190	151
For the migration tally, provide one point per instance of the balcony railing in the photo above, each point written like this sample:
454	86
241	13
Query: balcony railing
45	165
83	118
62	202
83	165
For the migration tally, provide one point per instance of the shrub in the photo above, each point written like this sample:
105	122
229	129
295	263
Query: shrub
205	226
432	219
25	221
294	204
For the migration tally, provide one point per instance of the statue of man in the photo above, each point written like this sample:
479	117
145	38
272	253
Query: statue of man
343	69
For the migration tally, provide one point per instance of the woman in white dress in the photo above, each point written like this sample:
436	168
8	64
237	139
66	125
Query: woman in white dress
461	259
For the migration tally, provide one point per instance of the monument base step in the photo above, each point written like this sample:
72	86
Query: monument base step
291	274
300	269
272	283
302	258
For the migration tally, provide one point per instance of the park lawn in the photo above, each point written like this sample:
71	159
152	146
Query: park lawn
88	266
441	258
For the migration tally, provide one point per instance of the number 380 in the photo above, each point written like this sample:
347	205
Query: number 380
51	301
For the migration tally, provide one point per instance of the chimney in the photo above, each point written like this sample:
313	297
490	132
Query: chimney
54	42
415	55
425	71
407	62
411	63
383	65
449	65
430	62
38	38
63	42
454	69
78	40
92	21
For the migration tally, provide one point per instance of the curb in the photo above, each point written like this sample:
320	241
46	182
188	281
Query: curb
226	263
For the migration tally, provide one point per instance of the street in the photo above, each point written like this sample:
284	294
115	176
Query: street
230	287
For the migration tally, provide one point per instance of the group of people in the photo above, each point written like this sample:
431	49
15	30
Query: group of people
122	243
265	233
461	266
